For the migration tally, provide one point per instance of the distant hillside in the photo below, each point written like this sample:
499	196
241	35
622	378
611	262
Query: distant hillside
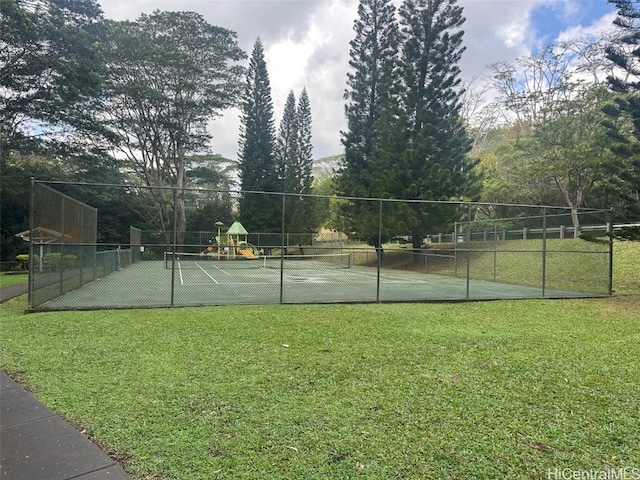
326	167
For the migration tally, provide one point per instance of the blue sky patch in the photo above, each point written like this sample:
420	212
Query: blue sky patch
550	19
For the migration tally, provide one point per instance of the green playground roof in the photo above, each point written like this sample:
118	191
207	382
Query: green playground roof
237	229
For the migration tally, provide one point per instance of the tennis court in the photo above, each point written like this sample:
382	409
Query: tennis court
535	252
309	279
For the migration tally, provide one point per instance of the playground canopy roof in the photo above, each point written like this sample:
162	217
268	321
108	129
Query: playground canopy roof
237	229
43	235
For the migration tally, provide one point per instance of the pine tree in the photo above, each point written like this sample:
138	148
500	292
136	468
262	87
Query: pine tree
258	171
434	165
370	98
629	41
301	213
625	54
287	145
304	152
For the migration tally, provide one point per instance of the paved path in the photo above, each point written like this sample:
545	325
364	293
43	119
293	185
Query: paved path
36	444
13	291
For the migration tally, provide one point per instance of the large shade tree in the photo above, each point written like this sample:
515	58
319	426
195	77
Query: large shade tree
51	78
553	101
170	73
51	72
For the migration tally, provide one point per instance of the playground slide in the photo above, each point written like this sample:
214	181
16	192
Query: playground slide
245	252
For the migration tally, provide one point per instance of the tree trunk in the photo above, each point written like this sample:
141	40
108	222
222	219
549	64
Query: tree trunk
416	243
575	219
573	205
379	251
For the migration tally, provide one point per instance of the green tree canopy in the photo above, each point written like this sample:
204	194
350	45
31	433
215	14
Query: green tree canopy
169	74
51	73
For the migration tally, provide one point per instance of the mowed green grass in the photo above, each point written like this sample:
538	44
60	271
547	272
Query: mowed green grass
8	279
509	389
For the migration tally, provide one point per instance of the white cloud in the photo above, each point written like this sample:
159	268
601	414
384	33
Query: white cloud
599	26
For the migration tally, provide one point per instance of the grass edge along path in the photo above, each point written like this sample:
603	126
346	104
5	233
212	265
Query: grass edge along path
510	389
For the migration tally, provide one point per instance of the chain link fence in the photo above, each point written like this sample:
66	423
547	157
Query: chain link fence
315	249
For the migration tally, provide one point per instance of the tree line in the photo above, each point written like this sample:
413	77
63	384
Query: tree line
89	99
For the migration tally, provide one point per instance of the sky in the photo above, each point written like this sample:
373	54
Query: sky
307	45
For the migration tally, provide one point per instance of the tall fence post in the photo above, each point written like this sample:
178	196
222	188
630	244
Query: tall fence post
379	251
495	250
282	244
468	248
62	240
32	265
610	235
173	247
544	251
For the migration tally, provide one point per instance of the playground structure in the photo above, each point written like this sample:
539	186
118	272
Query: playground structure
230	245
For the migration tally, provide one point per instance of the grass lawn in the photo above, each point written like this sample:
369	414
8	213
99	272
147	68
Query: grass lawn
7	279
507	389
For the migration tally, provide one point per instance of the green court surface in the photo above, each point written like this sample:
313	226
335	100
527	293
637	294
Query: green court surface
149	284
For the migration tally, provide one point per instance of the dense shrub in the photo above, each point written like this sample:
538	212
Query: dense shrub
55	261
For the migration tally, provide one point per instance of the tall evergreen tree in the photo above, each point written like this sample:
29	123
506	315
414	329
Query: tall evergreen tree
301	214
258	172
369	100
294	163
625	54
304	167
434	165
287	145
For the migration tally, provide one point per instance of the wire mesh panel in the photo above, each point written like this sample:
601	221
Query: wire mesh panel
62	244
285	248
65	255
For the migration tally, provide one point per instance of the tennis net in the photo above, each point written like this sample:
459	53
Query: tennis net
212	260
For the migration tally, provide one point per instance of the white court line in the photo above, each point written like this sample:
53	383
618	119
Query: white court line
223	271
180	272
322	283
373	276
205	272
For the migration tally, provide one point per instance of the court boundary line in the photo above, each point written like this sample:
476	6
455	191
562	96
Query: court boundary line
322	282
329	272
207	273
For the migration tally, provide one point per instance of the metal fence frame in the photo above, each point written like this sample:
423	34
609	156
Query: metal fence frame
462	234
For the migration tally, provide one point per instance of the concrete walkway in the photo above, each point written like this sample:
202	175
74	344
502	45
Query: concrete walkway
36	444
13	291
